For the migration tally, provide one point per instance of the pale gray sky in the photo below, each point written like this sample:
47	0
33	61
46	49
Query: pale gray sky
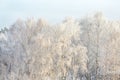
55	10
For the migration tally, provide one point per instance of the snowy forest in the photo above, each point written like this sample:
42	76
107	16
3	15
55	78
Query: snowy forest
74	49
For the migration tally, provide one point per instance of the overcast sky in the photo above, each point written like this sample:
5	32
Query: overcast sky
55	10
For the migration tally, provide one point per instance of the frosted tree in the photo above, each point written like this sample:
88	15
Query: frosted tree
97	31
93	38
57	50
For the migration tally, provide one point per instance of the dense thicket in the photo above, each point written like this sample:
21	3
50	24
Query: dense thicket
84	49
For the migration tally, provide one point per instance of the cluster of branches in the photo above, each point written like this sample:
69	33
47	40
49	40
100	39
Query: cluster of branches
3	30
85	49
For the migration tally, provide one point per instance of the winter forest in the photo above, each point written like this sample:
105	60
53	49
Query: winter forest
75	49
